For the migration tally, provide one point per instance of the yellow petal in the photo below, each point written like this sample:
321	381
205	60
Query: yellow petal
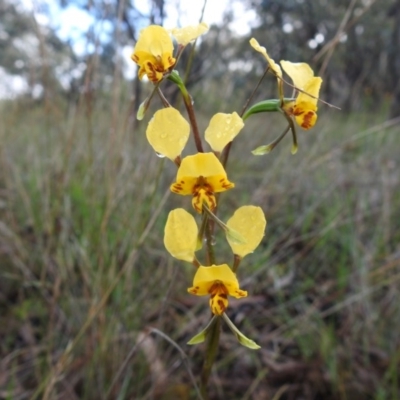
250	222
200	164
153	53
180	235
168	132
204	165
206	277
276	69
201	175
154	40
222	129
185	35
303	78
311	87
300	73
305	114
185	185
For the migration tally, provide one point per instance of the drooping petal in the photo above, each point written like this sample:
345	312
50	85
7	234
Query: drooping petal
180	235
300	73
168	132
276	69
310	88
223	128
153	53
250	222
206	277
185	35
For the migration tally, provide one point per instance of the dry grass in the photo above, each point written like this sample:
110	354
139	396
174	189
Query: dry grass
93	307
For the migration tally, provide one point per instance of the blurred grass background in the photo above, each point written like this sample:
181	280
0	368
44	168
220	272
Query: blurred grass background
93	307
91	304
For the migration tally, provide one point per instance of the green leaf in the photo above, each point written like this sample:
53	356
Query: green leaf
142	110
201	336
271	105
243	340
260	151
174	77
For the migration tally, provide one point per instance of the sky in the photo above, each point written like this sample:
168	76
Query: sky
179	13
72	22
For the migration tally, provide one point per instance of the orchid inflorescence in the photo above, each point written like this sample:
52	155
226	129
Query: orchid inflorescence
203	175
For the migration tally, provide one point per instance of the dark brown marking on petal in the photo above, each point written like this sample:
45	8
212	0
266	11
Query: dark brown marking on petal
221	305
307	120
225	184
176	188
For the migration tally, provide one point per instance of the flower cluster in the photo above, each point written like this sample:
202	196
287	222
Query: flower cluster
202	175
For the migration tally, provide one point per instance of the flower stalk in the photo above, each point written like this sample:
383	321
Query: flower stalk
188	101
202	176
212	344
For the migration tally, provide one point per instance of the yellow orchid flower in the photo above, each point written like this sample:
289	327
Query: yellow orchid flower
185	35
218	281
180	235
168	132
249	222
201	175
153	53
304	107
223	128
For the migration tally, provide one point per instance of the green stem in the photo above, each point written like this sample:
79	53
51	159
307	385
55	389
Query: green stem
212	343
293	129
163	99
209	243
236	262
187	99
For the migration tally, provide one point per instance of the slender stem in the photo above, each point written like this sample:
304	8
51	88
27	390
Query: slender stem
211	351
162	97
227	150
187	99
213	217
253	92
192	52
293	129
202	230
236	262
209	243
196	263
273	144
